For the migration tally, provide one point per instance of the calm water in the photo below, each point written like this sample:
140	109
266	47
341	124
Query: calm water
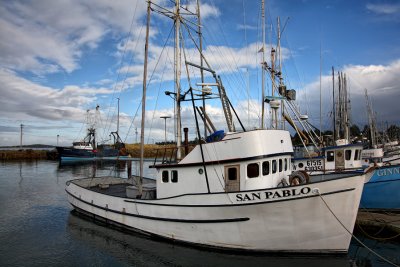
37	228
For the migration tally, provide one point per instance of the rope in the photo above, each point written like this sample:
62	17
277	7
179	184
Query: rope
380	230
316	190
377	238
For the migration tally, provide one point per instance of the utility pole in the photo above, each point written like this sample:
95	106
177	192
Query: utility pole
20	140
165	127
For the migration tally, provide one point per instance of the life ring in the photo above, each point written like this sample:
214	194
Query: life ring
299	177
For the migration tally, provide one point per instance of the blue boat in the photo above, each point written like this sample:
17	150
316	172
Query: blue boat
87	150
382	191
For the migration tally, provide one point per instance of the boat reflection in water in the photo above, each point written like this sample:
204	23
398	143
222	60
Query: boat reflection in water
138	250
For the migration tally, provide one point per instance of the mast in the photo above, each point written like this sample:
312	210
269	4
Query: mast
118	118
320	92
333	105
263	60
347	109
201	62
371	120
281	87
177	19
274	111
146	53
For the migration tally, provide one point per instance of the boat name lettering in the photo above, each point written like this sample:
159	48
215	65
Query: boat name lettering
273	194
384	172
313	168
311	163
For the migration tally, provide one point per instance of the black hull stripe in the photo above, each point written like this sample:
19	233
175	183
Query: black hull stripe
242	219
226	161
204	206
242	204
349	174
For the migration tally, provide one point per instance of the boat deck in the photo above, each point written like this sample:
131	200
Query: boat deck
118	189
115	190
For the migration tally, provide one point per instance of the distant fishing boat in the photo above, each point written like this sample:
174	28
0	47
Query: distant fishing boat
89	150
230	192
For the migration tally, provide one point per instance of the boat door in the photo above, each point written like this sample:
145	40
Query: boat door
339	159
232	181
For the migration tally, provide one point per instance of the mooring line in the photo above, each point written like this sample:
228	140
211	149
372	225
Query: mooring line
316	191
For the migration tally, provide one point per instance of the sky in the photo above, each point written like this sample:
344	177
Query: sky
61	59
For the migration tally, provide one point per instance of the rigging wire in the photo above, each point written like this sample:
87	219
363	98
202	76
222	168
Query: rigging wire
152	75
108	121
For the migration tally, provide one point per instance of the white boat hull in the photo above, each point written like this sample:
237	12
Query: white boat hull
289	219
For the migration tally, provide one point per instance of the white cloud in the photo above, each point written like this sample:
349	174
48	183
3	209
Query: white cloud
381	81
384	9
23	99
47	36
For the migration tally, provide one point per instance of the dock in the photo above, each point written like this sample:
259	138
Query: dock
380	225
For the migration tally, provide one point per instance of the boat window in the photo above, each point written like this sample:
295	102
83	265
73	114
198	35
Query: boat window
253	170
165	178
174	176
286	164
274	166
280	165
265	168
348	154
232	174
330	156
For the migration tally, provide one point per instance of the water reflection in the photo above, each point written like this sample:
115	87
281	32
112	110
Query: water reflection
103	168
388	249
137	250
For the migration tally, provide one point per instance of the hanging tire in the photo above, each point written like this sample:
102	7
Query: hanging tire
298	178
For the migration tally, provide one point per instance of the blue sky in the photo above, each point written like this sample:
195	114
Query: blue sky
62	58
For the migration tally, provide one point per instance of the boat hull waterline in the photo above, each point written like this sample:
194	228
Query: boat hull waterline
289	219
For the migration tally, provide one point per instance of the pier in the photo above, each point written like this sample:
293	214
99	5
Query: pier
379	224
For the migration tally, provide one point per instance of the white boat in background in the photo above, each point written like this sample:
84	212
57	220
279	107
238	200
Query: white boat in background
232	192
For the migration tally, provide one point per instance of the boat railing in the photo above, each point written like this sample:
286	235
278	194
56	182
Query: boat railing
165	155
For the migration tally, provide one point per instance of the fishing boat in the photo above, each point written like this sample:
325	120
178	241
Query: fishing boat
233	191
88	150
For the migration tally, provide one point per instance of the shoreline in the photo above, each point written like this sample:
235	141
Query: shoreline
31	153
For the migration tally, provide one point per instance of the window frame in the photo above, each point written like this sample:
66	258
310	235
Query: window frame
256	170
267	164
274	166
347	154
165	179
330	156
174	176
